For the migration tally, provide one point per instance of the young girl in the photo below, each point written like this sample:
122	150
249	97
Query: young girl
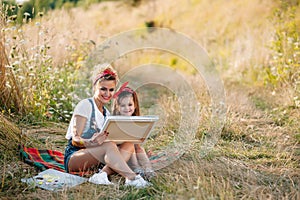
126	103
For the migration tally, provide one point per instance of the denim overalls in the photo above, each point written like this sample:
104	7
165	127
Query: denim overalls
70	149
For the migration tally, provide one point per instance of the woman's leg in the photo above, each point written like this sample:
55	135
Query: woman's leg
107	153
126	150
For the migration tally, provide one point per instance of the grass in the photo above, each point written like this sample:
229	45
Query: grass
255	158
257	155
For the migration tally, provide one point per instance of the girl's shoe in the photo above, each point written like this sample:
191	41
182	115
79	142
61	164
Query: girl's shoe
138	182
139	171
149	173
145	173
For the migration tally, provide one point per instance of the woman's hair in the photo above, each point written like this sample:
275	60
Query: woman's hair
127	92
105	73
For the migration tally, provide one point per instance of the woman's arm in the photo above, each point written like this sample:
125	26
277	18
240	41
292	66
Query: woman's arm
78	141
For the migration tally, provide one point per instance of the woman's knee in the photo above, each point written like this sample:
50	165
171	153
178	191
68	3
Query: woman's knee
128	146
109	146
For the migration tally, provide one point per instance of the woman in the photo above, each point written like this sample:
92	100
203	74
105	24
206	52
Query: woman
86	147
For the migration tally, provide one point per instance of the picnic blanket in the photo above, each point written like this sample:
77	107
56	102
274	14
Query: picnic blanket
52	159
43	159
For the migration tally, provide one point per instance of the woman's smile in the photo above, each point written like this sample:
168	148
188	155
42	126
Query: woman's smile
105	91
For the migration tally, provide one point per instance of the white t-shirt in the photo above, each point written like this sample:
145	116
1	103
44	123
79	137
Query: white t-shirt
84	109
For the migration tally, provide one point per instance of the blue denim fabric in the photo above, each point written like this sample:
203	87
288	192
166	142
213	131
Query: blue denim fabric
70	149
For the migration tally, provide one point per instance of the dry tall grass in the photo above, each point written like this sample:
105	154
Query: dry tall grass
236	36
10	94
9	134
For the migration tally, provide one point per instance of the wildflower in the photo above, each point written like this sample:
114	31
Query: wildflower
59	105
16	63
21	77
13	8
13	17
7	85
63	98
9	66
290	40
27	14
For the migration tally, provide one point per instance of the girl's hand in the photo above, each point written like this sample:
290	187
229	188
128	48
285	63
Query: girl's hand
99	138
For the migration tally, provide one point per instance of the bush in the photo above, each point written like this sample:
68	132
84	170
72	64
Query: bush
33	88
284	65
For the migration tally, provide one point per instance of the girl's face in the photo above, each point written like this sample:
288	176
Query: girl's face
105	90
126	106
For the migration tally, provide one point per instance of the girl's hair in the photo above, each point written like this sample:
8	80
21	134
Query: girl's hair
127	92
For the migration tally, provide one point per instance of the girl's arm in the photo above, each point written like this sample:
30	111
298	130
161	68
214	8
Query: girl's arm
78	141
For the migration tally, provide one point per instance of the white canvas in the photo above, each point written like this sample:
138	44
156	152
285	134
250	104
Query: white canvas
135	129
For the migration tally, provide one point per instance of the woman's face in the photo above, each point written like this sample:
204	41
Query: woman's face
104	90
126	106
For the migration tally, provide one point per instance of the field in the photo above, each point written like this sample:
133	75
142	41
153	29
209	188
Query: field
256	154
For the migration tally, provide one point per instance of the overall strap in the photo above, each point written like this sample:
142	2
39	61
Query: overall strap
93	113
93	125
104	112
93	120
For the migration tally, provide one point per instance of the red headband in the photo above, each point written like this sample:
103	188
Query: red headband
123	88
104	73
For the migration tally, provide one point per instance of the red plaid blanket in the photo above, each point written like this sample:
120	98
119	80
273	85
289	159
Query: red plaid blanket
43	159
46	159
52	159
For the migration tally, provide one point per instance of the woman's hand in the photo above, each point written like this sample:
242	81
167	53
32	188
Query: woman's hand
99	138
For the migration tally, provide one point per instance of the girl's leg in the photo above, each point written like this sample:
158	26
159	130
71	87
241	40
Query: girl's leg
133	162
106	153
144	161
142	157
